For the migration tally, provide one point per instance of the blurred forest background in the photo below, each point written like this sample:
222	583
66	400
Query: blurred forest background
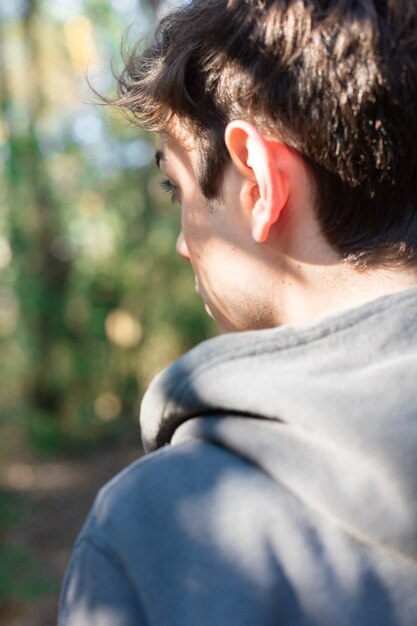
93	300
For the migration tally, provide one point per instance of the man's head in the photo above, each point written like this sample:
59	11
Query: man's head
334	79
289	129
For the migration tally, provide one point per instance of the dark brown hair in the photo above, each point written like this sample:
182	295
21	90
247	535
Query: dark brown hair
334	79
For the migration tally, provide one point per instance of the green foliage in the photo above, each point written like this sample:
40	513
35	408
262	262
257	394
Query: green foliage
19	571
11	509
19	576
93	301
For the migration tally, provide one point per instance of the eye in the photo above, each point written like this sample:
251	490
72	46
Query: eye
170	189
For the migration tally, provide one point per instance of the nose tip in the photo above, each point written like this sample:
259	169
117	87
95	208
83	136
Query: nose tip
182	248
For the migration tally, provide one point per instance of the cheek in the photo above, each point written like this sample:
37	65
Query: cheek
195	225
211	235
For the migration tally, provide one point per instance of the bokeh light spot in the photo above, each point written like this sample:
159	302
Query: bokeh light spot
123	329
107	406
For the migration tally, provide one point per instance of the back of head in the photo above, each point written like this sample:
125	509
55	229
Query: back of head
335	80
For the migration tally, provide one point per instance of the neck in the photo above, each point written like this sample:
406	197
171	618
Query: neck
314	291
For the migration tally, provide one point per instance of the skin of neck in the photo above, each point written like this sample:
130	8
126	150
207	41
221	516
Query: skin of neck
312	278
303	276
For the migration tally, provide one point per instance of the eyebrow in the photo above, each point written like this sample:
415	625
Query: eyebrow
159	156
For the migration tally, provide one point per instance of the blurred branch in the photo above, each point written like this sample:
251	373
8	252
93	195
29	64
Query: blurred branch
154	5
4	93
88	243
43	267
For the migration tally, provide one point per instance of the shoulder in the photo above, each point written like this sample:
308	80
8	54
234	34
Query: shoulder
153	489
154	471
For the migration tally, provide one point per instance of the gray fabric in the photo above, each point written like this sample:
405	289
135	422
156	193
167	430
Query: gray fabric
287	495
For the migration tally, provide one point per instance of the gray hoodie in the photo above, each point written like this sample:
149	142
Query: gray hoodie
287	494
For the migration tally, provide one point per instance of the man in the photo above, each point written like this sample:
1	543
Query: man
283	490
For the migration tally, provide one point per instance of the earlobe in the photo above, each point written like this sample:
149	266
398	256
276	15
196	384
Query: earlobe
260	222
257	160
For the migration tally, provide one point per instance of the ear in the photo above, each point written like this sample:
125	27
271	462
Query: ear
258	160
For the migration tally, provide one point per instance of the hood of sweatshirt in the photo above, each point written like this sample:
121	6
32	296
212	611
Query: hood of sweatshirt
328	410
